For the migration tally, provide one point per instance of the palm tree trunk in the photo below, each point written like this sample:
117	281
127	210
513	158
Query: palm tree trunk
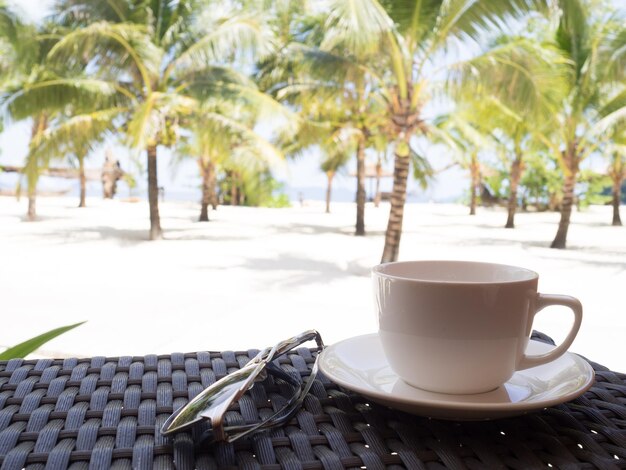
83	181
329	175
516	174
213	187
396	213
153	194
617	196
474	182
360	189
40	123
379	172
206	191
566	204
31	214
234	195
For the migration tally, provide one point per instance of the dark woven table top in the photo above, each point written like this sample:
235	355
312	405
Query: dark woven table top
101	413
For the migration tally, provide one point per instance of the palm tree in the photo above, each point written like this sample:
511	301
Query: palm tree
33	165
165	58
515	132
71	135
348	110
36	91
13	63
222	136
512	127
341	102
409	37
380	143
462	134
336	153
594	46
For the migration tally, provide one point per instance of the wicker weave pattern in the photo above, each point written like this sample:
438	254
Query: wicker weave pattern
102	413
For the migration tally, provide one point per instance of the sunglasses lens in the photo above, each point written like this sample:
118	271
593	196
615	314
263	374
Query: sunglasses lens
287	396
217	397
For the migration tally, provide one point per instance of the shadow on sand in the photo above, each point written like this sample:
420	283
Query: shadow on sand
555	254
303	271
133	236
311	229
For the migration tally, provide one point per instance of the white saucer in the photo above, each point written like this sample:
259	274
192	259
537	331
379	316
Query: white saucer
359	364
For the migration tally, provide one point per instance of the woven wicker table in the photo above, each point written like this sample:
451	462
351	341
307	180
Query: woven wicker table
102	413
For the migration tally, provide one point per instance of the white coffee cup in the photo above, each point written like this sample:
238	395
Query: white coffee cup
461	327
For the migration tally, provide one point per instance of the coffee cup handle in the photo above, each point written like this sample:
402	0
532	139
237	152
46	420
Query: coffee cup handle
543	301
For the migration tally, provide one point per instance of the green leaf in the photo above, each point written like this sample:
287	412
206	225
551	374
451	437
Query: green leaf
23	349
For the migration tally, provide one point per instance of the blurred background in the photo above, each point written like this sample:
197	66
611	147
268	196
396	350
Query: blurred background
215	174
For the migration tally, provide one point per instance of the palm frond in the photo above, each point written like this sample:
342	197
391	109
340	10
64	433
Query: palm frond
174	104
204	82
336	154
572	35
614	103
77	134
461	132
294	141
247	143
357	26
151	118
24	100
83	12
175	23
414	19
35	162
615	49
524	76
327	65
261	104
470	19
423	172
313	95
9	24
464	20
607	123
144	124
123	45
234	36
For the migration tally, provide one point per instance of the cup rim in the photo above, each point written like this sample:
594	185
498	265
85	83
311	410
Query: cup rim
378	271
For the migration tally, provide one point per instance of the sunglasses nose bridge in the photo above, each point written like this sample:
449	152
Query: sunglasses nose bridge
216	415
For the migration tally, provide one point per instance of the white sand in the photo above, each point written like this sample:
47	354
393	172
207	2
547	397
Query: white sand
253	276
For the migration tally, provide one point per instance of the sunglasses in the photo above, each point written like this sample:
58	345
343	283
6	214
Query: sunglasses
213	402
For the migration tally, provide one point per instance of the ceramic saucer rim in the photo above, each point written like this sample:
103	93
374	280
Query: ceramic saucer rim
462	405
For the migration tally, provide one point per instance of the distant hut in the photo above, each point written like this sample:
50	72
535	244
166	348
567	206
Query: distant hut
374	173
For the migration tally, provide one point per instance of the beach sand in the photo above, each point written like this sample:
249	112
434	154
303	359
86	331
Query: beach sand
251	277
